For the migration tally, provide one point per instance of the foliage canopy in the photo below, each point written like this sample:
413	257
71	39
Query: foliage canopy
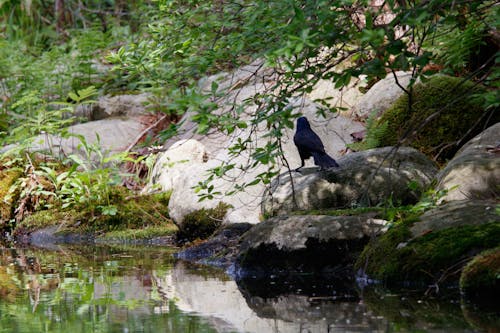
167	46
305	42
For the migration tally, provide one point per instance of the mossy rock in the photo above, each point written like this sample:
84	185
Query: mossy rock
132	213
202	223
458	111
7	198
481	277
397	259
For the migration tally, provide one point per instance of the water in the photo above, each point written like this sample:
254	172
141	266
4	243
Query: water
138	289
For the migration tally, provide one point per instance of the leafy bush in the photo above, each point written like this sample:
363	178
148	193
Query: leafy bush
303	42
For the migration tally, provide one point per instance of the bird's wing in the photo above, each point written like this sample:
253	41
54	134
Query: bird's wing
307	139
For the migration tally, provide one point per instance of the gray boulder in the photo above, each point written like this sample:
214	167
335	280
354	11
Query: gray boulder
117	121
364	178
114	135
474	172
456	214
432	251
220	249
114	106
308	243
346	97
295	232
234	89
381	96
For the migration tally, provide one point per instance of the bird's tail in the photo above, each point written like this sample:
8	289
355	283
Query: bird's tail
324	161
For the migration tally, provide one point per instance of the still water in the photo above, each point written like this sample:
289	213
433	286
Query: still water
141	289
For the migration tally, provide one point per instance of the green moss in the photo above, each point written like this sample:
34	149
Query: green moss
133	213
145	233
202	223
394	258
8	197
46	218
378	259
340	212
459	111
481	276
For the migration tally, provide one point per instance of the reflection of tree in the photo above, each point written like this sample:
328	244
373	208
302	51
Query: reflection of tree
88	289
8	288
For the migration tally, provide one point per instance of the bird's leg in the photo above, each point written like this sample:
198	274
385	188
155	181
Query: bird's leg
301	166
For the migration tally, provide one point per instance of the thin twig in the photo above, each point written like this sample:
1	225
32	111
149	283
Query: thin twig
147	129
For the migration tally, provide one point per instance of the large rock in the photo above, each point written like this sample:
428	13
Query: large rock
236	88
370	177
480	278
433	250
114	135
172	164
474	172
219	250
345	98
381	96
298	244
456	214
115	106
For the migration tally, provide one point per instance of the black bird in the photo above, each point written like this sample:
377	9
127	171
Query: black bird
309	144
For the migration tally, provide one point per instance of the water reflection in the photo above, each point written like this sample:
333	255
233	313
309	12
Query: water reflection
102	289
222	299
90	290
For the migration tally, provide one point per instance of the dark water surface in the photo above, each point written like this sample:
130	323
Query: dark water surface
140	289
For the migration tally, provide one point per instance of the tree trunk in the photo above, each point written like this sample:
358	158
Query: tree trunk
59	15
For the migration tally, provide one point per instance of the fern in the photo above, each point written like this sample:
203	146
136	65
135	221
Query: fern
456	48
374	132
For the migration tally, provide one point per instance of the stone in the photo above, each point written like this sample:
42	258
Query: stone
237	87
370	177
381	96
171	165
431	251
114	136
474	171
480	277
295	232
219	250
298	244
114	106
345	98
456	214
